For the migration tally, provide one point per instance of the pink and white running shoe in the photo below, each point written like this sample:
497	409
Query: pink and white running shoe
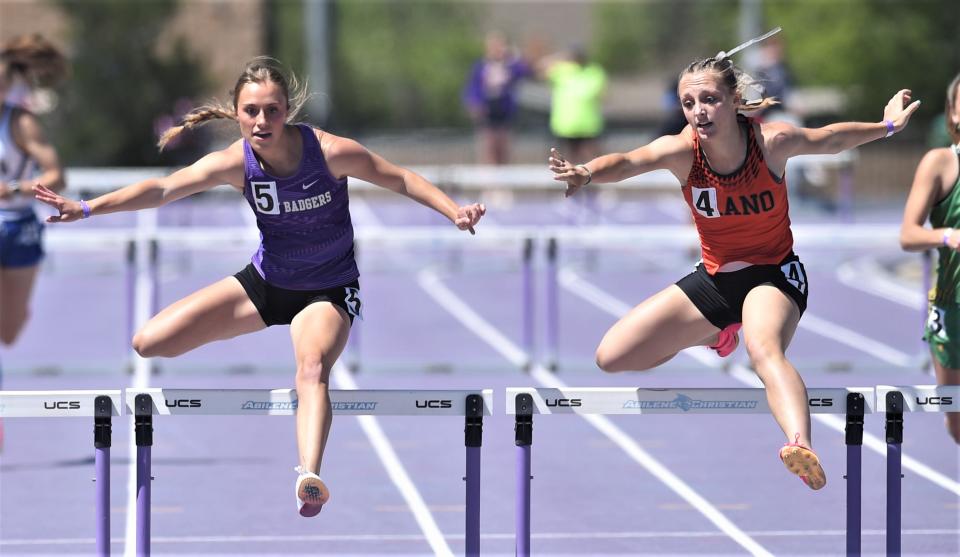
312	493
727	340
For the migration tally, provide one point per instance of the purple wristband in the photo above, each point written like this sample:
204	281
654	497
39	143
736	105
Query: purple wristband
85	208
891	129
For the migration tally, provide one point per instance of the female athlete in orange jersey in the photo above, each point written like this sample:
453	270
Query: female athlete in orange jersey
731	172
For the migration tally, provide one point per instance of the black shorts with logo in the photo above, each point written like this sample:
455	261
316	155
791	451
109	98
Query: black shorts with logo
720	297
278	306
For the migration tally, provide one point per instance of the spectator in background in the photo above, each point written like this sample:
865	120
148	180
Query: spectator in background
775	80
576	106
775	77
26	159
490	96
674	121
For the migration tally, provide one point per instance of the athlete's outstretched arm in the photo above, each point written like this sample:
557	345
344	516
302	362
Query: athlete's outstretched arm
666	152
220	167
787	141
346	157
934	174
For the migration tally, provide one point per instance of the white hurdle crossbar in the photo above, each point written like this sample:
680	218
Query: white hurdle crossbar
472	405
102	406
525	402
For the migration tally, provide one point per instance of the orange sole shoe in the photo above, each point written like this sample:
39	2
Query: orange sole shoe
804	462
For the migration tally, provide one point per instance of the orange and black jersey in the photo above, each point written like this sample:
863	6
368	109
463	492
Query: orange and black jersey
742	216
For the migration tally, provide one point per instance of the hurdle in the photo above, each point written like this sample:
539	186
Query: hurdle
102	406
894	401
525	402
472	405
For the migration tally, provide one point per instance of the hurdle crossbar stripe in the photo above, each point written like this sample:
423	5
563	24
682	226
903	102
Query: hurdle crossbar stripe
668	236
922	398
55	404
283	402
629	400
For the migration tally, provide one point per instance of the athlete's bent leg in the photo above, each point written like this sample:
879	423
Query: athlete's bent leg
653	332
770	319
319	333
217	312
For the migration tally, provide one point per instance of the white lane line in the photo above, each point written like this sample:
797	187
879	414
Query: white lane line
488	536
874	443
658	470
855	340
398	474
618	308
364	215
430	282
866	275
513	353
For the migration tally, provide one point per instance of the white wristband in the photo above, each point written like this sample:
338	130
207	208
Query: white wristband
946	236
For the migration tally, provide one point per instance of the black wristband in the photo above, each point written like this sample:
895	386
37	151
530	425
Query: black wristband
589	174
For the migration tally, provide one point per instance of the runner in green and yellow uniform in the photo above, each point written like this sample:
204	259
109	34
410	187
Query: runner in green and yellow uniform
935	195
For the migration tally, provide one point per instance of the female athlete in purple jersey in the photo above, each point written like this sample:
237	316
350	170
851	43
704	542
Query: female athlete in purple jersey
303	274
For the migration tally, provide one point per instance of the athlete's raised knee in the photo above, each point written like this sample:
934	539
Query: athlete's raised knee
613	362
148	345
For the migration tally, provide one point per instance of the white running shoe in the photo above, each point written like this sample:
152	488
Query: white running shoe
311	492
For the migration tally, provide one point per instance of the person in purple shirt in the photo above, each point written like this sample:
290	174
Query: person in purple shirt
304	274
491	99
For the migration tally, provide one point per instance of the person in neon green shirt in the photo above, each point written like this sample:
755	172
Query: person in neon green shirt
576	109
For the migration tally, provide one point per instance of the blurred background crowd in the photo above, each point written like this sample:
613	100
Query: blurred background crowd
452	81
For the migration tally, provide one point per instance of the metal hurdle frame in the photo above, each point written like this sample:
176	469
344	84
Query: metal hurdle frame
894	401
102	406
525	402
472	405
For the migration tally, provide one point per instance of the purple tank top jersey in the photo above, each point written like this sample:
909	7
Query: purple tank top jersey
306	236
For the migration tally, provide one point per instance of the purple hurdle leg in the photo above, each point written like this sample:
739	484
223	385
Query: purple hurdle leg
102	429
131	290
552	307
143	429
528	301
143	501
854	442
473	439
854	527
524	439
927	258
894	442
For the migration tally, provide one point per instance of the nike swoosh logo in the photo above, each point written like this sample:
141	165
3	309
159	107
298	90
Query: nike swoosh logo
307	186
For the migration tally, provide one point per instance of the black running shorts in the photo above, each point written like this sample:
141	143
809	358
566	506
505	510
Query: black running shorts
720	297
278	306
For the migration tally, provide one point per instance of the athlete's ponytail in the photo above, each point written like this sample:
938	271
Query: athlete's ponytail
259	70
